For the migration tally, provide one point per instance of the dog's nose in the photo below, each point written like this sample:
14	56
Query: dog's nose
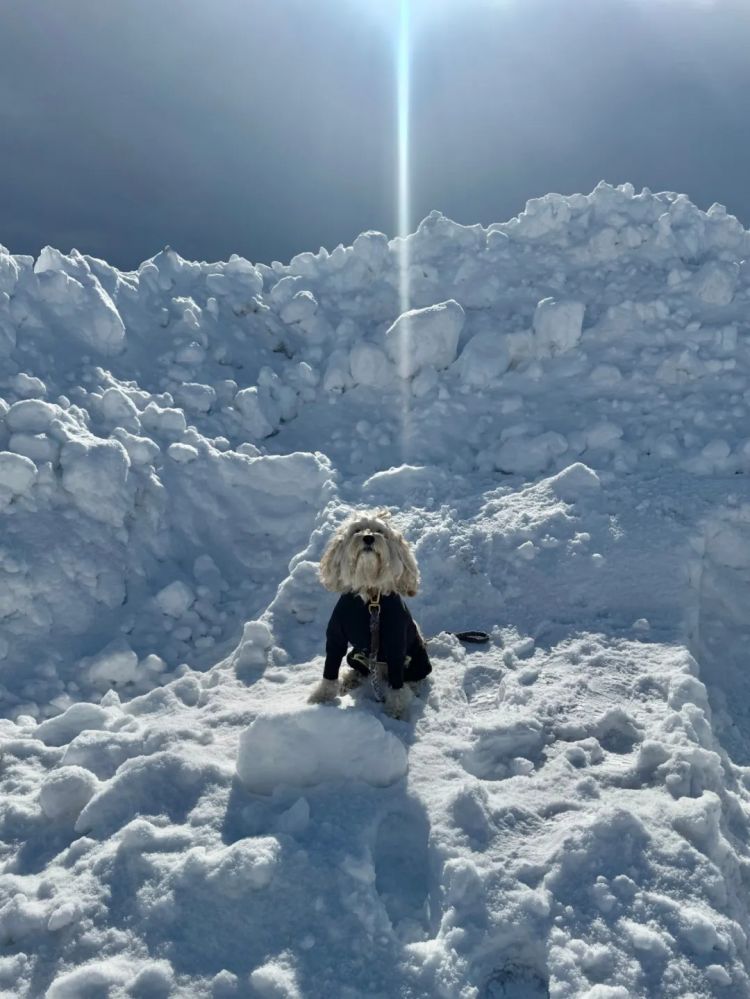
368	539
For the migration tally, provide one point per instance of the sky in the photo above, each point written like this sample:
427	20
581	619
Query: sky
269	128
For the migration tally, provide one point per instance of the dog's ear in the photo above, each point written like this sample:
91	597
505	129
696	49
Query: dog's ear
330	563
407	572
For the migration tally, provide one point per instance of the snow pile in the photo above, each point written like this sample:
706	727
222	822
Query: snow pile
558	426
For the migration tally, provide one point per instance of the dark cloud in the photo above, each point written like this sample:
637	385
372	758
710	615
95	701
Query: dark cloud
268	128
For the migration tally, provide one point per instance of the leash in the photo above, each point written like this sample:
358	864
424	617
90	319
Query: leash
373	606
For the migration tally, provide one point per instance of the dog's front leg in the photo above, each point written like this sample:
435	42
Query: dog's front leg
325	692
397	701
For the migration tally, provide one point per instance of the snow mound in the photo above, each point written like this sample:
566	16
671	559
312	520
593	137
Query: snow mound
304	748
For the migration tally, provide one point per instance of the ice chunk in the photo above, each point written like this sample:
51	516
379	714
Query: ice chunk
338	745
557	325
424	337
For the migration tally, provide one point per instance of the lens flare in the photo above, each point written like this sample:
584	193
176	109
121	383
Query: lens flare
403	93
403	69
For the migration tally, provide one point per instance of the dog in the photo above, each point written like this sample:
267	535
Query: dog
369	562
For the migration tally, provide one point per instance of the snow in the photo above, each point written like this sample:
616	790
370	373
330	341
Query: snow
334	746
558	426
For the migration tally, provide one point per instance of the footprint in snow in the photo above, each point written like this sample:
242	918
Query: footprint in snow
401	856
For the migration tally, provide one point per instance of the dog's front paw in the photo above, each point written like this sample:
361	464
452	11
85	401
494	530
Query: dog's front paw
397	702
351	680
325	692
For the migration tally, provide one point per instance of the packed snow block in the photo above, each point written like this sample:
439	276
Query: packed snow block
65	791
231	872
370	366
61	729
483	360
36	447
95	473
260	413
557	326
164	420
529	455
118	408
17	475
302	306
318	744
575	481
372	248
31	416
715	282
82	306
541	217
175	599
116	664
425	337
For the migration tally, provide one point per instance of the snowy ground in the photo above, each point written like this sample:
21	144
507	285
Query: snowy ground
560	431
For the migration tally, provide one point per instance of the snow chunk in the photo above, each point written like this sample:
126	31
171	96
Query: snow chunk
274	980
182	453
302	306
483	359
78	718
425	337
31	416
557	325
94	472
116	664
338	745
232	871
260	414
116	406
370	366
174	600
526	456
715	282
372	248
66	791
17	474
575	481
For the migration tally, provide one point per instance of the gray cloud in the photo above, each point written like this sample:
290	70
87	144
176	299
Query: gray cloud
269	128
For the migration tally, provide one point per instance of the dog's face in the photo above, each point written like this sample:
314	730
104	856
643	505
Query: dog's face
368	554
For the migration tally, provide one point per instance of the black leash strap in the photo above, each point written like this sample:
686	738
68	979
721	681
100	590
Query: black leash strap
373	605
474	637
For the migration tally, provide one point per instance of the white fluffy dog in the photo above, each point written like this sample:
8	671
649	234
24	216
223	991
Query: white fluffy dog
368	561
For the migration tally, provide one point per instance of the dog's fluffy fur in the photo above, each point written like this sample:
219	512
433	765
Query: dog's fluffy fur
385	565
388	566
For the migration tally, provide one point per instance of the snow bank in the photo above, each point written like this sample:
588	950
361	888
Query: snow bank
557	423
304	748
